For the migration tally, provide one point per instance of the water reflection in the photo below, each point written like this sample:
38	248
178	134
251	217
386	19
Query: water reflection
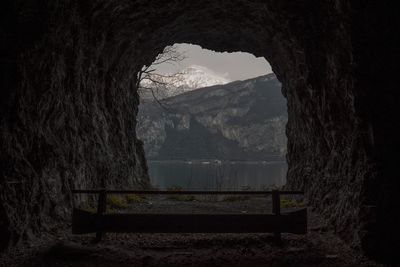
217	175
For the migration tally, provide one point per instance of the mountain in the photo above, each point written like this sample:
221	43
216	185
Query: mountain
188	79
196	76
242	120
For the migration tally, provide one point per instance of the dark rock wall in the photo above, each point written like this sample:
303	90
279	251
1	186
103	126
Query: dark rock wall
376	51
69	101
70	121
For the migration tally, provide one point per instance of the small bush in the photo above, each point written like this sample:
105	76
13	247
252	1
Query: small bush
89	207
179	197
116	202
290	203
132	198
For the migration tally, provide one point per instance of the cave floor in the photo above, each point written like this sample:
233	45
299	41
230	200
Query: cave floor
320	247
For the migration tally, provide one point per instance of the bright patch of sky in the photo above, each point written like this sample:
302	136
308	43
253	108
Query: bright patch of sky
232	66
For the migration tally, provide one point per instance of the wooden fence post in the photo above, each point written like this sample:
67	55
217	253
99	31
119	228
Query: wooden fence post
276	210
101	209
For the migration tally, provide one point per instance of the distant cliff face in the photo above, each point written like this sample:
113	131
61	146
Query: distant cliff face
242	120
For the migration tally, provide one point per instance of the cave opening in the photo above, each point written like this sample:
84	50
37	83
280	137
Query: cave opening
69	101
212	121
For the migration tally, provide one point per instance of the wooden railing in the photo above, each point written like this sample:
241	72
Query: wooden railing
277	222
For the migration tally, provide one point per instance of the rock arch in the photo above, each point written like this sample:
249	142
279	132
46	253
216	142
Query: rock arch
68	100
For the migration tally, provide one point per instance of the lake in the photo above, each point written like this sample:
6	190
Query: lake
217	175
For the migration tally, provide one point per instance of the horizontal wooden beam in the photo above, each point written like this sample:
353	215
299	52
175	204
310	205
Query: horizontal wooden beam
156	192
86	222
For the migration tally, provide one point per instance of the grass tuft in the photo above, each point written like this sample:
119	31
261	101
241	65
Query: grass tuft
290	203
132	198
116	202
179	197
88	206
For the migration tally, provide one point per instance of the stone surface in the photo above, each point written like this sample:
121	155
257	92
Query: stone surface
68	99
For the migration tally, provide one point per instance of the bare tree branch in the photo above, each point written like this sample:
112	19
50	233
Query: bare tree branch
160	81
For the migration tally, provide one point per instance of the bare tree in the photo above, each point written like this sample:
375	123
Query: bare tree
150	80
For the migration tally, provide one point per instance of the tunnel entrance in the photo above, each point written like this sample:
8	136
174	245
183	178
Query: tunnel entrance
212	121
69	101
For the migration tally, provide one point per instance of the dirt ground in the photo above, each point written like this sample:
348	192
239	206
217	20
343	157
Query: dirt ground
320	247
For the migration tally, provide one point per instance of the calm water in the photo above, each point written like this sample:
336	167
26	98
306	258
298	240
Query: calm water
198	175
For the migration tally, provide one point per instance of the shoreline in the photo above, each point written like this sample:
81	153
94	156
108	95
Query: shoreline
216	161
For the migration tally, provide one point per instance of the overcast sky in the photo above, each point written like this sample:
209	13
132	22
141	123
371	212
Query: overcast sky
233	66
